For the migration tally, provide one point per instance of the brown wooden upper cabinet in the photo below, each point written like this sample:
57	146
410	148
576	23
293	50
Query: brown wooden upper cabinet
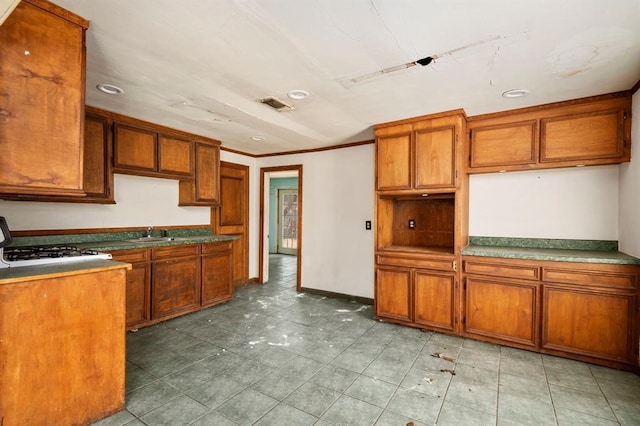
147	152
582	132
418	154
42	120
204	189
97	177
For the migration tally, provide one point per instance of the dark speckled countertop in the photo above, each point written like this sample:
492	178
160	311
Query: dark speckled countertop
562	250
109	241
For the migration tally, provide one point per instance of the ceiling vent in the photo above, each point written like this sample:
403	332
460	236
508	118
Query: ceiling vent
276	104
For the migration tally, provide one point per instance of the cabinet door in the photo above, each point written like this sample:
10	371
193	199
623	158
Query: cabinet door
393	161
502	310
393	293
204	189
504	145
42	84
138	310
216	273
98	179
175	156
138	289
583	136
434	298
434	160
207	173
593	324
232	217
175	287
97	175
134	149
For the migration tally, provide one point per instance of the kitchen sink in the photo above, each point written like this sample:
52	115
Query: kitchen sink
151	239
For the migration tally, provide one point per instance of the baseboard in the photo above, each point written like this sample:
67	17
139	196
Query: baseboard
253	280
363	300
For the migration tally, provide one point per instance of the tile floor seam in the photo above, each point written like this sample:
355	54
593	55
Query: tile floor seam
546	380
386	407
604	395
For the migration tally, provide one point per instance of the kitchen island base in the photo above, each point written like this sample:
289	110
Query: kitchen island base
62	345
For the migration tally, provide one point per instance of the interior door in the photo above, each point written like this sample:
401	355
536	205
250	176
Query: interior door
287	221
232	217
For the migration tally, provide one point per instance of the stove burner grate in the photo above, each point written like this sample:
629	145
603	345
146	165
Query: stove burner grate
42	252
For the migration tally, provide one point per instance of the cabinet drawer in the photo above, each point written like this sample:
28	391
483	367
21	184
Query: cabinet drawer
216	247
172	252
589	278
131	256
437	264
507	271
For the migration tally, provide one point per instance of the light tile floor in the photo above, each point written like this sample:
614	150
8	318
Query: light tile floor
276	357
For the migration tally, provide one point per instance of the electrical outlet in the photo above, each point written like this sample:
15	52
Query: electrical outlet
412	223
367	225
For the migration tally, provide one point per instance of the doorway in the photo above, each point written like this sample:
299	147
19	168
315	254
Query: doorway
280	218
287	229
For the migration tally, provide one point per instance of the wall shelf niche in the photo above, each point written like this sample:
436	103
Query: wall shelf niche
417	224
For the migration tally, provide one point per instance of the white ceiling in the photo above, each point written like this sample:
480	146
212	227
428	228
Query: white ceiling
200	65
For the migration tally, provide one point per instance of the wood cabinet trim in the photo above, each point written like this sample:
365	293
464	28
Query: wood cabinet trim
60	12
444	114
580	102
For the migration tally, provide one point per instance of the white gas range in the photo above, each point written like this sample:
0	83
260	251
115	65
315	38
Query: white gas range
14	257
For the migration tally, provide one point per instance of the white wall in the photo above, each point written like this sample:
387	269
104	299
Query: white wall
338	197
630	189
574	203
140	201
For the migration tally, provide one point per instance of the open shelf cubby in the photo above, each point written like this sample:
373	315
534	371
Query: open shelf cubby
432	221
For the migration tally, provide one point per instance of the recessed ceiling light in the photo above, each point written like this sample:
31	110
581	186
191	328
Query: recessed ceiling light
109	89
257	138
515	93
297	94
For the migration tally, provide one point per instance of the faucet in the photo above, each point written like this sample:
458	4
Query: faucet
149	229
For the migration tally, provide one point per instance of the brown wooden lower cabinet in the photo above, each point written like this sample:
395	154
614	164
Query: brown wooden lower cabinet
217	285
138	285
434	299
393	293
62	356
585	311
175	280
416	297
166	282
506	311
583	322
